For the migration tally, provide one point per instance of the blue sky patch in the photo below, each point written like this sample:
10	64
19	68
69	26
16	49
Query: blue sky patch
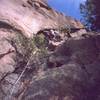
68	7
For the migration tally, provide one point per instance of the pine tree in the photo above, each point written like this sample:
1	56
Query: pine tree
90	11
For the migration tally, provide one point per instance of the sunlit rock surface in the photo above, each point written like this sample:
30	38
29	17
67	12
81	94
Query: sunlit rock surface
31	16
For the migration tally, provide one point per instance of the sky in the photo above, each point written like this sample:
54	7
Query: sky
68	7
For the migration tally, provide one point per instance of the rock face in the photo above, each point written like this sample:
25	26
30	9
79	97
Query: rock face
74	78
7	54
29	16
71	69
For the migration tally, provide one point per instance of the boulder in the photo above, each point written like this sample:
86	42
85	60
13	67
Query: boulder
76	78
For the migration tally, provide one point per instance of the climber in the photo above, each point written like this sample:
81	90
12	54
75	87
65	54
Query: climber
56	35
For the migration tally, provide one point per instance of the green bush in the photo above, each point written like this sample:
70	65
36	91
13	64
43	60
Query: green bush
29	47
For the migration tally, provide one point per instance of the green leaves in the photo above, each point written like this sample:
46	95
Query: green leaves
40	41
36	47
91	14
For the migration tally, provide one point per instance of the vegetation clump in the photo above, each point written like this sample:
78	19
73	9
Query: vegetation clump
31	51
90	11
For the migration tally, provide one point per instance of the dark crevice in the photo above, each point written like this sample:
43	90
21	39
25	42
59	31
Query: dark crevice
29	2
41	4
7	26
52	47
59	64
4	77
51	65
4	54
24	5
15	47
44	5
